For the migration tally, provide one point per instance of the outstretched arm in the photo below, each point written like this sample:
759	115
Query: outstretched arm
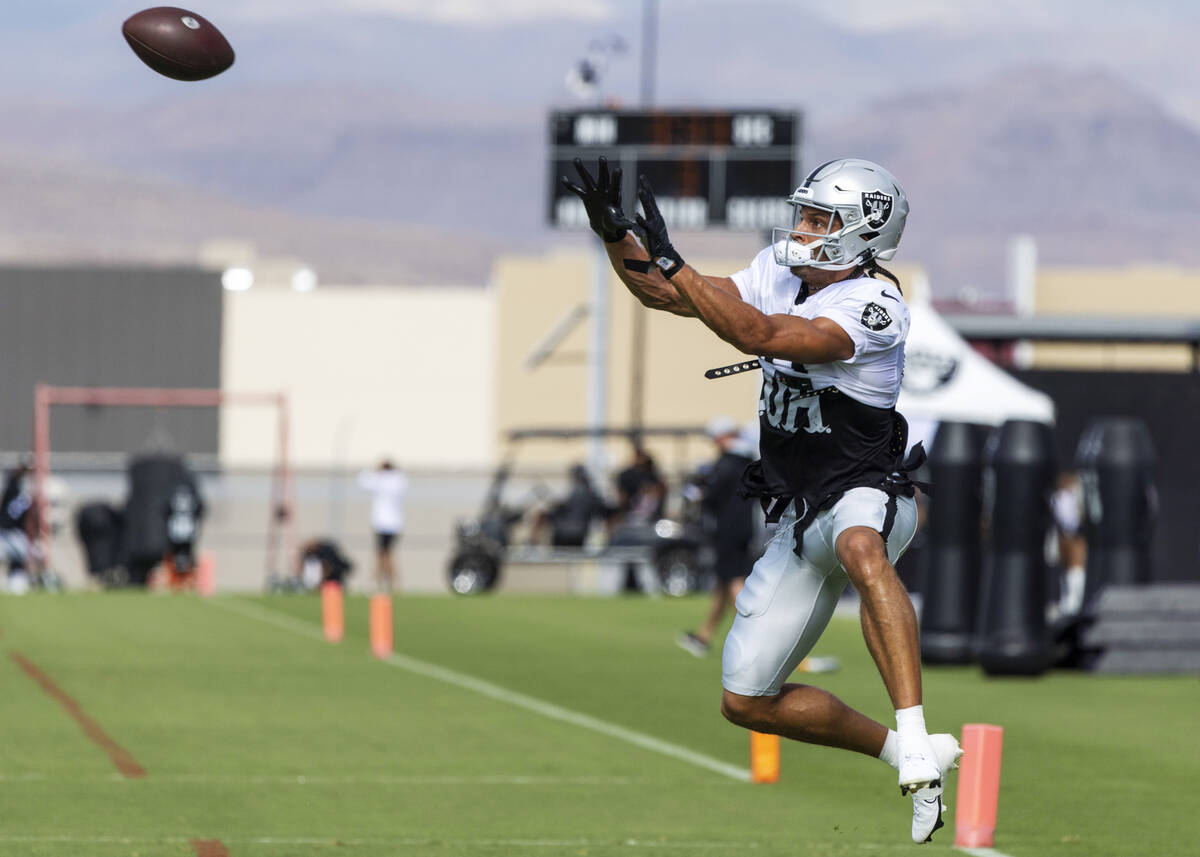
601	197
647	283
788	337
820	340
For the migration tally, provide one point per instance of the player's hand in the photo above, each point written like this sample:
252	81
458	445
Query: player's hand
602	199
654	232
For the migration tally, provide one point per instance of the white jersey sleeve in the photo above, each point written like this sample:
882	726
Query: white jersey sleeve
873	316
755	282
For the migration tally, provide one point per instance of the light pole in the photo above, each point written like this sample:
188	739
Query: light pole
637	362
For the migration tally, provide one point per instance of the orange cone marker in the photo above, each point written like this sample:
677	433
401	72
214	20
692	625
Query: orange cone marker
978	786
206	575
381	625
764	758
332	616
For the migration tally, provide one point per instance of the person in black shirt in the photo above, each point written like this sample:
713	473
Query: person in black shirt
641	492
728	520
15	505
321	561
641	497
570	519
184	509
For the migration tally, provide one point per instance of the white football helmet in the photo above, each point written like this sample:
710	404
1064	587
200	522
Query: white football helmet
872	208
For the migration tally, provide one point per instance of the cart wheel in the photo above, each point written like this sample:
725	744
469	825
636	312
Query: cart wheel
473	572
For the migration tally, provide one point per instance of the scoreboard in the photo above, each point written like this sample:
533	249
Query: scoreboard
729	169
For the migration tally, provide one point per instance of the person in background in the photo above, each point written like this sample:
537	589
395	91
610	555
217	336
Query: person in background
641	497
184	510
570	519
387	487
15	505
321	561
641	491
1066	503
728	521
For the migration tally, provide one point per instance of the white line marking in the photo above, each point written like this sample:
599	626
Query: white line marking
273	617
342	842
495	691
340	780
982	852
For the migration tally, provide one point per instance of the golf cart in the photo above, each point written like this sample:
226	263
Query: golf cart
668	554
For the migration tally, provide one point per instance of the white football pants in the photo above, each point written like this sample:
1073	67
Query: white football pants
788	600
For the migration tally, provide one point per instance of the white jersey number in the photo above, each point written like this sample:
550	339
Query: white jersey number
788	408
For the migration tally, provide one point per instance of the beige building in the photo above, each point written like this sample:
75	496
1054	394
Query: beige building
1145	291
534	294
437	376
403	372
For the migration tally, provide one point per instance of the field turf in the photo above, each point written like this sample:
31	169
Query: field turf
258	738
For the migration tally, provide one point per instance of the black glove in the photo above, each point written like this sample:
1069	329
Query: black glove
602	200
654	233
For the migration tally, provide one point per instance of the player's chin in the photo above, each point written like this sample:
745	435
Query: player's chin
811	275
815	276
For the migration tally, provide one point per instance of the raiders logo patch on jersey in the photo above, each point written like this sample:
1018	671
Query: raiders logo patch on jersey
875	317
877	207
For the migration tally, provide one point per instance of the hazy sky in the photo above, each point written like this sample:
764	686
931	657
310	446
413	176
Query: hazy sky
516	52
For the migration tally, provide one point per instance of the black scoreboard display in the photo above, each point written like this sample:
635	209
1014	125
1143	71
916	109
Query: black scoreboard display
729	169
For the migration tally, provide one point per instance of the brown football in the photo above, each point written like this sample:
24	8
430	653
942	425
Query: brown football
178	43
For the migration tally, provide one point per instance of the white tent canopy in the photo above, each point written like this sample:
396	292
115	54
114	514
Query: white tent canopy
945	379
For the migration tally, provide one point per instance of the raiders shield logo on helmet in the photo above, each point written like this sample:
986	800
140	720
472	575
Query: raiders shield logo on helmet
877	207
875	317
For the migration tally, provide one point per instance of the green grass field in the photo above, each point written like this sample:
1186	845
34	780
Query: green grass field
257	734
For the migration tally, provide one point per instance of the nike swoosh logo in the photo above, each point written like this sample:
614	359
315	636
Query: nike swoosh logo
893	297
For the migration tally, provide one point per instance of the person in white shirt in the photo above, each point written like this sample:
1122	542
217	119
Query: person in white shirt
1066	503
829	337
387	487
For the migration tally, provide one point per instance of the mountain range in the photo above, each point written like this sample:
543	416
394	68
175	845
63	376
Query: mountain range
385	184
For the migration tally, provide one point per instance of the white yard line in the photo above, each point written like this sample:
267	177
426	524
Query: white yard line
502	694
336	779
343	842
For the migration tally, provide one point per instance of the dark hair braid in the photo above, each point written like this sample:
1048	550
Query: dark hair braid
874	270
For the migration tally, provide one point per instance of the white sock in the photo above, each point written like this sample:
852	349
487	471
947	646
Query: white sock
891	749
1074	581
910	718
910	730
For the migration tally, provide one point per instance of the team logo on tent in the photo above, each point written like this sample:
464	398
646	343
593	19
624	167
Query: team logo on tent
875	317
927	371
877	207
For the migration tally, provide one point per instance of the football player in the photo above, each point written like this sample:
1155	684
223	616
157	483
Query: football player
827	325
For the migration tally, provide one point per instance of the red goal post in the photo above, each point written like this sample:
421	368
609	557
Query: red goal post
280	518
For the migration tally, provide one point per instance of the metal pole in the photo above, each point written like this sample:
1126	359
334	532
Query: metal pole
637	363
337	480
637	381
597	412
649	50
287	486
41	472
